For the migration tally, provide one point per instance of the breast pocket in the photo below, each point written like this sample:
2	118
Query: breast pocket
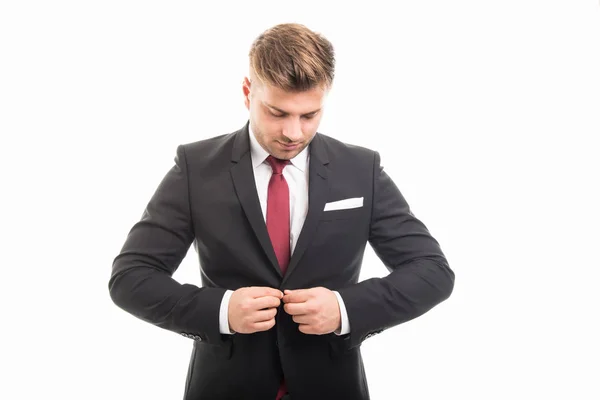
342	214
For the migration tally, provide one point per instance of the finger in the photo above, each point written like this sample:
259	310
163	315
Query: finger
262	291
295	308
302	319
264	315
266	302
264	325
307	329
296	296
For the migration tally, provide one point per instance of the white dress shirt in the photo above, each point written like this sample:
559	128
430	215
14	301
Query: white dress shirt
296	176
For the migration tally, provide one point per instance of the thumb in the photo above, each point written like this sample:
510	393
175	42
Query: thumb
293	291
295	296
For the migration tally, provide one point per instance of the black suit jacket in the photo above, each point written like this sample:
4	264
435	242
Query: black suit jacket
209	198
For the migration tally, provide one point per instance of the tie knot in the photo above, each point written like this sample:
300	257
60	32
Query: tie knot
277	165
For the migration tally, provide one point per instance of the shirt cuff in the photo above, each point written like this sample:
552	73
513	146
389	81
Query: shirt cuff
345	324
224	314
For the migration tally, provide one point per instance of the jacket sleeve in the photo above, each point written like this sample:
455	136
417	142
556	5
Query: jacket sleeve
141	282
419	278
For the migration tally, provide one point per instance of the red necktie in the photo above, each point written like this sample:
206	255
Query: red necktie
278	222
278	212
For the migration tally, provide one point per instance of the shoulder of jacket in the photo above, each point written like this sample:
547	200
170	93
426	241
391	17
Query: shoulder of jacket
210	143
338	146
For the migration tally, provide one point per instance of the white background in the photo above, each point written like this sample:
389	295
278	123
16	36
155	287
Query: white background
486	114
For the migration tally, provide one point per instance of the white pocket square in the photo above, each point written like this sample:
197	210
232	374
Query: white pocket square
354	202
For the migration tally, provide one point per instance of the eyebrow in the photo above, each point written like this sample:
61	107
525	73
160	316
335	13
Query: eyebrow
285	112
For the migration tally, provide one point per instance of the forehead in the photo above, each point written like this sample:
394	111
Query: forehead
292	102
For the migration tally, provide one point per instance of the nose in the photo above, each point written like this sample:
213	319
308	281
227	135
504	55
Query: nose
293	130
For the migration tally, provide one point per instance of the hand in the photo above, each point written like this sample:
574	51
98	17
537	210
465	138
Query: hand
316	310
253	309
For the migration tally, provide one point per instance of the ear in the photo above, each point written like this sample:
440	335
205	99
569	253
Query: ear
246	90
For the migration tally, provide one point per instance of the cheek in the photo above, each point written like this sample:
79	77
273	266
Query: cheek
272	129
268	122
310	127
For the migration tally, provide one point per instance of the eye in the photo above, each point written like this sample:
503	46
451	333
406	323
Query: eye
277	115
311	116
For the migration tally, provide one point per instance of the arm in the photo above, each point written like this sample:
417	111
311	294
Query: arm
419	278
344	323
224	327
141	282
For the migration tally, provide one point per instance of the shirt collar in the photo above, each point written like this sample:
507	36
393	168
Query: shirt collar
259	155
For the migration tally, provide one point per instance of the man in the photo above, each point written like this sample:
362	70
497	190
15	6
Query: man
279	216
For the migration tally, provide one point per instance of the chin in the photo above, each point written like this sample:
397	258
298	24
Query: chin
283	155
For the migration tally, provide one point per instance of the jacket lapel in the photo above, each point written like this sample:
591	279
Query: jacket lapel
318	189
242	174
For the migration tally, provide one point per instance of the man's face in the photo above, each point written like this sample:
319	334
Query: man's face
284	123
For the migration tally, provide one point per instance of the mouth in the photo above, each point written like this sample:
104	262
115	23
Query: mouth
291	146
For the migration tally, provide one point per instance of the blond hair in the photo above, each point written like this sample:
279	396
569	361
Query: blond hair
293	58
